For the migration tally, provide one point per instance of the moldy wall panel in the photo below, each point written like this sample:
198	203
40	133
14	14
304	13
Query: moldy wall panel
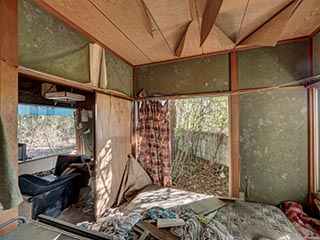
273	66
316	54
48	45
208	74
273	145
119	75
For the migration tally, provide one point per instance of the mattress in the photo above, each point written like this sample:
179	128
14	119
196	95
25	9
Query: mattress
246	220
243	220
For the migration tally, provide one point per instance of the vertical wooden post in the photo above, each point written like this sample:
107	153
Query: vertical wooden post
9	84
234	126
134	116
311	129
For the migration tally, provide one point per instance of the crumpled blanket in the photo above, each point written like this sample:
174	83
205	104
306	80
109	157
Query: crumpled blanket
119	227
201	228
307	226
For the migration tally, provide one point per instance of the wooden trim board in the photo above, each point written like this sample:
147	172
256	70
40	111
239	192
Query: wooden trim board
234	128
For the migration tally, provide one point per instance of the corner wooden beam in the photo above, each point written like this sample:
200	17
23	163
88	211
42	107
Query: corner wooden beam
234	127
311	128
134	116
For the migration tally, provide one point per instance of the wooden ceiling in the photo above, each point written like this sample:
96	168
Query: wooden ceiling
149	31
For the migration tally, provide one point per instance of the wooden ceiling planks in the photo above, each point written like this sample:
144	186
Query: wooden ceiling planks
136	25
151	31
304	20
269	33
89	19
257	13
172	18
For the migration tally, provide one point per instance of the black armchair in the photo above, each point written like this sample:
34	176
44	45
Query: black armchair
51	197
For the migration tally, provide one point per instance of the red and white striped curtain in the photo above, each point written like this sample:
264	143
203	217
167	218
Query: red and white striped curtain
154	143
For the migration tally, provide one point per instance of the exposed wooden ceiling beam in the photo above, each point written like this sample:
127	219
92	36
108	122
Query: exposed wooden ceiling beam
269	33
190	41
209	17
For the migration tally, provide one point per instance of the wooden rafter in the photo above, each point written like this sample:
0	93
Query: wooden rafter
209	17
190	41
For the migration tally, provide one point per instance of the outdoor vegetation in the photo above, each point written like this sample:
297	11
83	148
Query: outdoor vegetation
46	135
200	144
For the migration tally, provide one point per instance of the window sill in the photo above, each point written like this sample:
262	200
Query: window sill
41	158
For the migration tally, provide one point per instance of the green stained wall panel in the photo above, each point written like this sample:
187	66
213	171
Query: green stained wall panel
119	75
273	66
208	74
316	54
48	45
273	145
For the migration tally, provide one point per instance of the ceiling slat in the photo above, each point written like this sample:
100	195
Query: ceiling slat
269	33
85	16
132	19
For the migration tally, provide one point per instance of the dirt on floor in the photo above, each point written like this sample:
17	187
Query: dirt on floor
201	176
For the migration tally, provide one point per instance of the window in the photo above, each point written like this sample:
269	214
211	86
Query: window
200	144
46	130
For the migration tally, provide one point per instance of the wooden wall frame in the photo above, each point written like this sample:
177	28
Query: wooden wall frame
234	127
311	129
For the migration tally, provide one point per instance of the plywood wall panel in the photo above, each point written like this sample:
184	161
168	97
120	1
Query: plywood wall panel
113	144
9	86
